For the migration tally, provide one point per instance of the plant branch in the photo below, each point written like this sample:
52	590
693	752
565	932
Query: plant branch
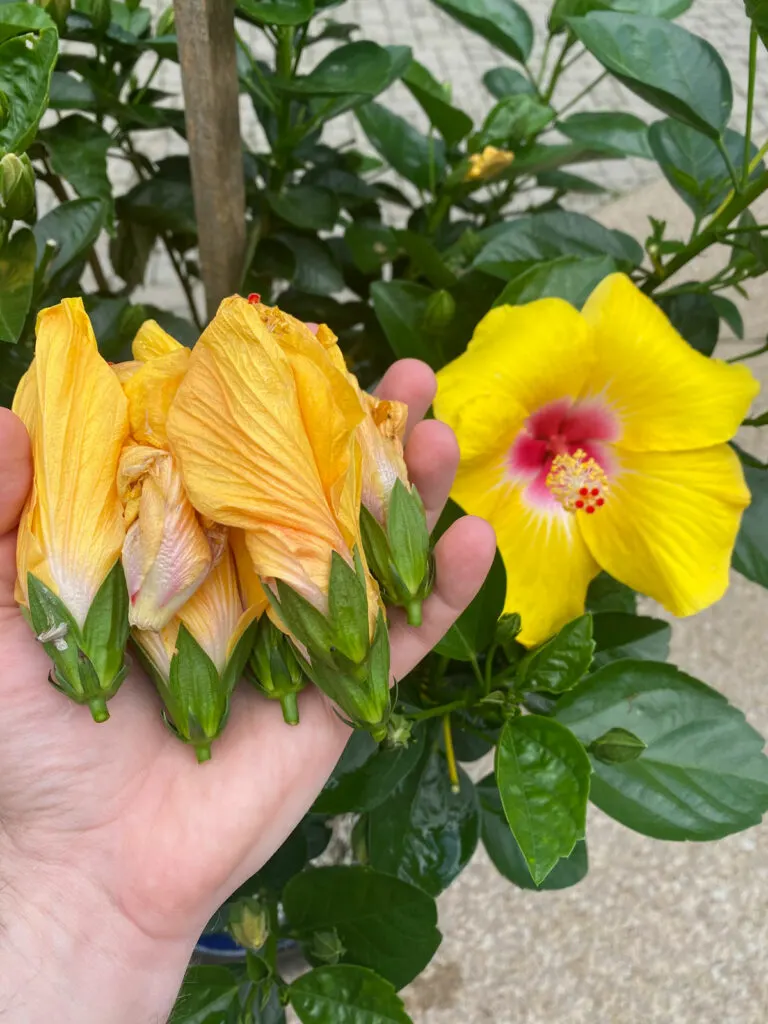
557	70
184	282
753	40
730	165
150	79
438	712
584	92
749	355
450	754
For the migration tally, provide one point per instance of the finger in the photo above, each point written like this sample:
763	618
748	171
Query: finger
15	469
432	456
412	382
463	557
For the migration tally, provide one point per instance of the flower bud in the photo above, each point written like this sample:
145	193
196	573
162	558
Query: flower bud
5	109
17	186
57	10
166	23
274	668
439	312
617	746
327	947
488	164
249	923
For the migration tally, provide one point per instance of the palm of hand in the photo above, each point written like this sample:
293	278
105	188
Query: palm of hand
124	803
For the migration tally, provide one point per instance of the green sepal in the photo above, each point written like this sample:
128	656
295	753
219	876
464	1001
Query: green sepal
274	669
106	626
239	658
348	608
195	697
305	622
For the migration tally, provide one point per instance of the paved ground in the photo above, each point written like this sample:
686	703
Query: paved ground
657	933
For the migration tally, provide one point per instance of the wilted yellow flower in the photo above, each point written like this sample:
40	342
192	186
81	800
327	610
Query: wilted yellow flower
151	381
71	530
488	164
381	439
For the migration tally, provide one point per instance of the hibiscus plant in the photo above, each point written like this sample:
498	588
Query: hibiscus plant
576	364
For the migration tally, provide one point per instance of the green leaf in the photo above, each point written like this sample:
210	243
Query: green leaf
757	11
162	203
572	278
694	316
750	556
617	746
74	227
667	66
513	121
313	209
511	247
17	280
563	181
564	9
346	995
561	662
606	594
78	151
620	635
503	23
476	626
367	774
361	68
70	93
543	775
207	996
19	18
452	123
618	134
419	159
729	313
316	270
694	166
26	65
703	775
371	244
383	923
276	12
507	857
426	257
400	307
425	833
501	82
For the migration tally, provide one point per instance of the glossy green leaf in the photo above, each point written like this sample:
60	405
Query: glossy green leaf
361	68
620	635
564	9
561	662
419	159
513	121
564	181
74	227
424	833
17	280
694	315
543	775
703	774
26	65
757	11
475	628
277	12
729	313
307	207
426	257
693	164
371	244
750	556
606	594
19	18
504	23
572	278
452	123
667	66
400	307
346	995
316	271
501	82
164	203
367	774
513	246
507	857
208	995
78	151
619	134
383	923
70	93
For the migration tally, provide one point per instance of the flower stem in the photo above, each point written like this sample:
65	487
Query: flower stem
450	754
443	709
753	40
98	706
290	706
584	92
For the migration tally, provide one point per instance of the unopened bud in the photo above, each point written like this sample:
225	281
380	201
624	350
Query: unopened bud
327	947
439	312
508	628
399	730
249	923
275	670
57	10
617	746
17	186
166	23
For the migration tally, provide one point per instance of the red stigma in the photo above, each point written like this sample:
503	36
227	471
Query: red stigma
595	492
579	504
583	492
254	298
600	502
590	508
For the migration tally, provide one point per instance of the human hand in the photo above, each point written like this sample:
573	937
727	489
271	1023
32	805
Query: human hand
115	845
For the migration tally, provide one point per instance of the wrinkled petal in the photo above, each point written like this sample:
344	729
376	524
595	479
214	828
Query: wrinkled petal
124	371
520	358
166	554
252	592
152	342
77	424
159	646
548	565
381	439
150	390
669	524
667	396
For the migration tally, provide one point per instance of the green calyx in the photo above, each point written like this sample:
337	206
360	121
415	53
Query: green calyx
342	659
88	662
400	556
17	186
274	669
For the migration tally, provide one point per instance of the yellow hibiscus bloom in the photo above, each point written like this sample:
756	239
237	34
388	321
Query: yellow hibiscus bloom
597	440
488	164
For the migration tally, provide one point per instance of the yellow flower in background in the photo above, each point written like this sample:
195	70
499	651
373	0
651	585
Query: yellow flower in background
71	402
597	440
488	164
264	428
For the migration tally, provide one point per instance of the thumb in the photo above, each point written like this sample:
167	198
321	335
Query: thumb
15	481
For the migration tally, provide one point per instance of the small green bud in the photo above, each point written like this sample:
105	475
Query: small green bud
617	746
5	109
439	312
17	186
57	10
399	730
508	628
274	668
249	923
327	947
166	23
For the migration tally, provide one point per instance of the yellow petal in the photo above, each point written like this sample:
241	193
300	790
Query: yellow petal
252	592
669	524
152	342
520	359
79	425
381	436
667	396
150	390
124	371
166	554
266	441
547	563
488	164
159	646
